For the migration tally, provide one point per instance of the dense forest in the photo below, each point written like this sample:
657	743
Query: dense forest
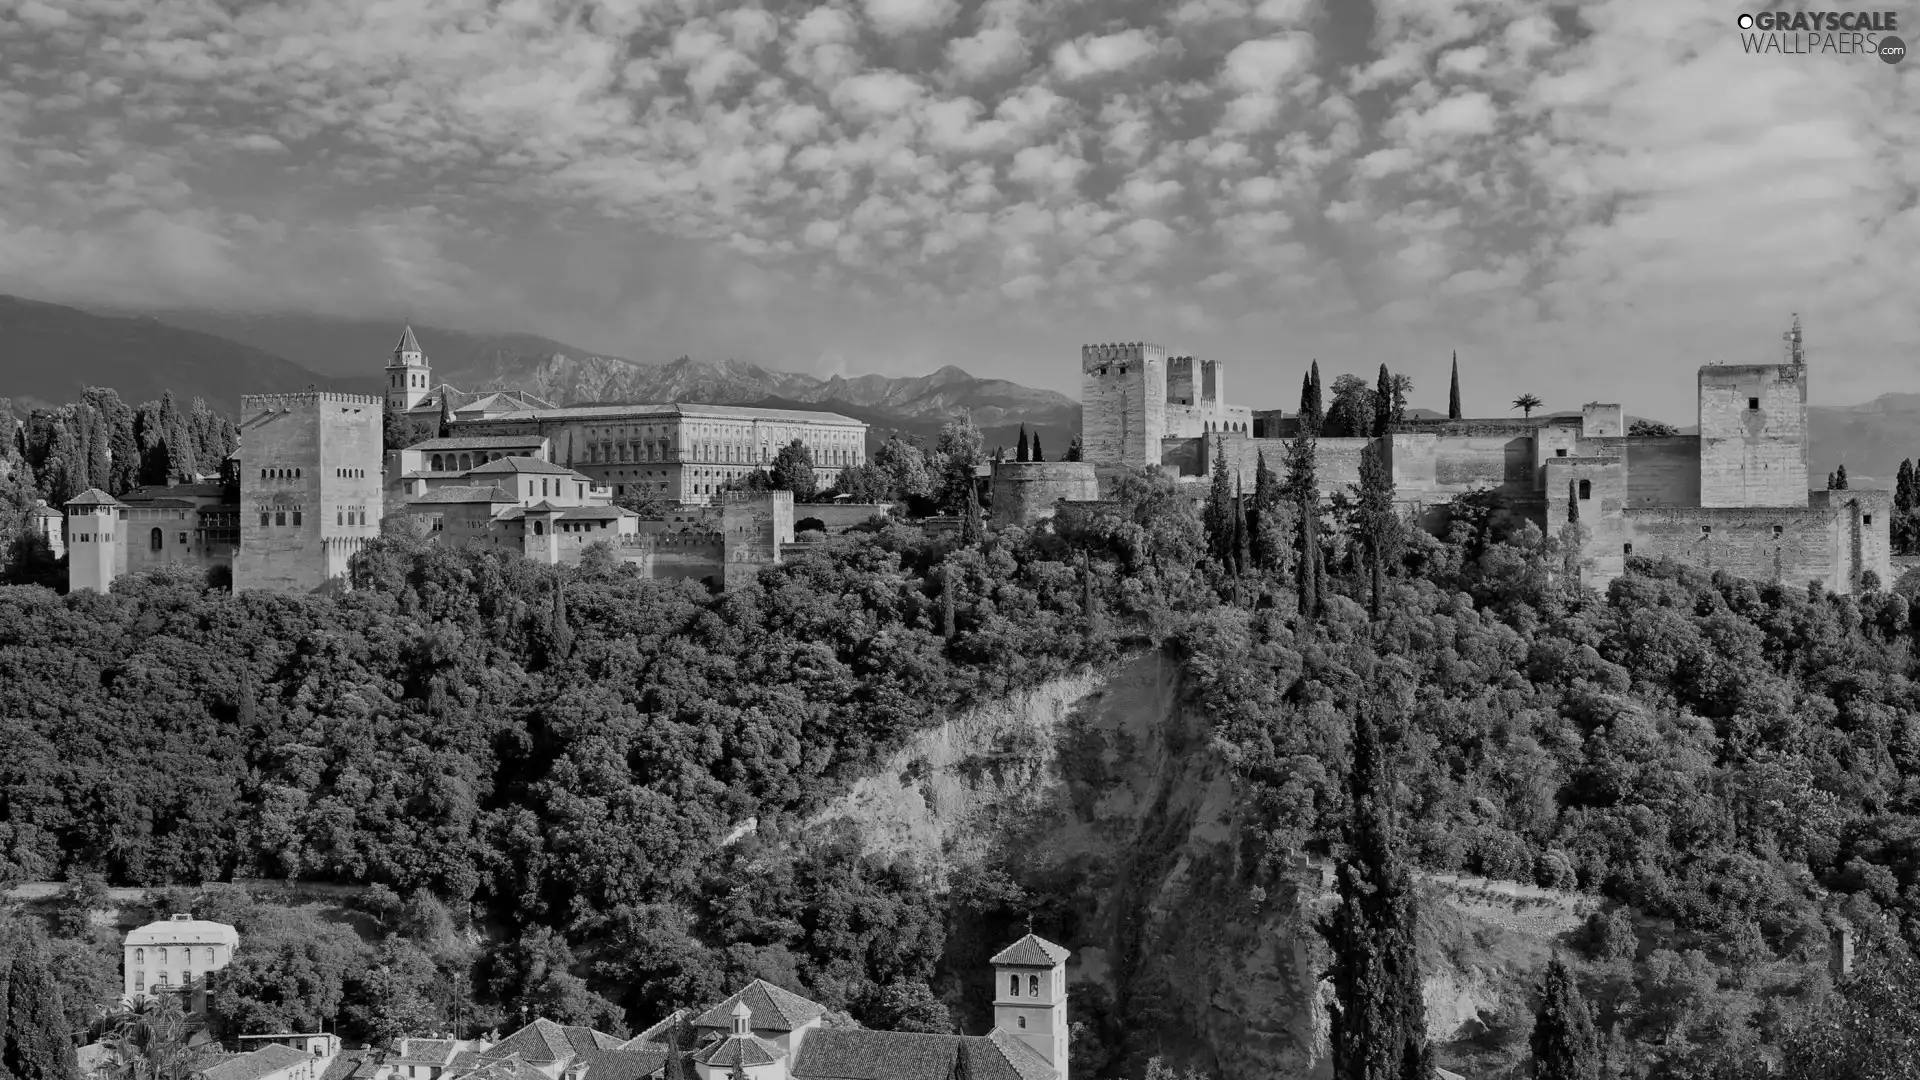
546	770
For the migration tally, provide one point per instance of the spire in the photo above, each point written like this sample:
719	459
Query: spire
408	343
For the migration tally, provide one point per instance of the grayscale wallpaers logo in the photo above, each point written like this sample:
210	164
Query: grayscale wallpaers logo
1846	33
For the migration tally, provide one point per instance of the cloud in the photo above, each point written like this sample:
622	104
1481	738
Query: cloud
868	175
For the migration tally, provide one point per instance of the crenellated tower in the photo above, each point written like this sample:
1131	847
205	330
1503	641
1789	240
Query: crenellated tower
1123	403
1030	997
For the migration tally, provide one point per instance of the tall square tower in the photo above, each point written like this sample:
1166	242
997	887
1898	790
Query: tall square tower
1753	435
310	488
1123	401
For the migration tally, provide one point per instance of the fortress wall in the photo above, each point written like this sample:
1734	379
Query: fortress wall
1792	544
1662	471
839	517
1600	511
1025	492
1464	462
1753	456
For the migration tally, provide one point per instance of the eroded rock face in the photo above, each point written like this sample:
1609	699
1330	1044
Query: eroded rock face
1111	776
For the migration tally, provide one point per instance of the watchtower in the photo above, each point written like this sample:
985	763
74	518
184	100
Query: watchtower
1124	403
1753	431
93	541
1030	997
409	377
310	487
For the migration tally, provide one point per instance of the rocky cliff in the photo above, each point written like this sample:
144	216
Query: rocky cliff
1107	782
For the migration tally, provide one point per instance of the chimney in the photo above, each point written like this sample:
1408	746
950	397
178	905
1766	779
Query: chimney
1840	952
181	918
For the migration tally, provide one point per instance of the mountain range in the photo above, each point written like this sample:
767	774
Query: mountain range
50	353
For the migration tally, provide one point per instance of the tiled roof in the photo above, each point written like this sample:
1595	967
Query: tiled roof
266	1061
41	509
183	932
627	1063
408	343
596	513
744	1050
478	442
93	497
773	1009
1031	951
854	1054
437	1051
662	1031
471	493
175	491
162	504
507	1068
348	1062
522	464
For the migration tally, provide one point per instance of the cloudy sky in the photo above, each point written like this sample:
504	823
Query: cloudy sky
1587	201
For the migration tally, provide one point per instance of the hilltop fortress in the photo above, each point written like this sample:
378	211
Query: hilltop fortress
1735	495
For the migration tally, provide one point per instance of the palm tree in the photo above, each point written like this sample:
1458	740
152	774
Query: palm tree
146	1038
1526	403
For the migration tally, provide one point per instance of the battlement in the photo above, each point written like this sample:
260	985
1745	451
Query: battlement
1137	352
689	540
257	403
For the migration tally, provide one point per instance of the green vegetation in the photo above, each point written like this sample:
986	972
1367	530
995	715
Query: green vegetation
546	763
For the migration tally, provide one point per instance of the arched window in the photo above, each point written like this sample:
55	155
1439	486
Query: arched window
155	541
1586	489
539	528
139	956
436	463
209	954
1013	986
160	956
1022	1020
1033	985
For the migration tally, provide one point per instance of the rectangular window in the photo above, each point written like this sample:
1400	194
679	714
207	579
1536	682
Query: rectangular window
1560	452
1706	530
1866	519
340	518
264	520
280	517
1777	530
1626	549
1753	404
296	519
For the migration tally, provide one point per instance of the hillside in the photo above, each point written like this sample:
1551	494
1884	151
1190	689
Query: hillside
1869	439
49	354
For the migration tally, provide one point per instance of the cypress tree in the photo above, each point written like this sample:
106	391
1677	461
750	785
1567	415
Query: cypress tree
1089	609
562	629
1378	1016
1840	478
1319	400
1074	450
1382	404
1379	519
1573	502
446	415
36	1046
1903	486
947	588
1242	558
970	515
1453	392
1304	489
1218	517
1021	454
1037	455
1565	1044
1903	507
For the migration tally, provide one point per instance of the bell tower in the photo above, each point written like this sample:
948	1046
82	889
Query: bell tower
408	375
1030	997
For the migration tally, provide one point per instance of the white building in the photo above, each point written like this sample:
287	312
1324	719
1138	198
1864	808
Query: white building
176	955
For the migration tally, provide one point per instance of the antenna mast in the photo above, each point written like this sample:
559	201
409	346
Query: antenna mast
1795	351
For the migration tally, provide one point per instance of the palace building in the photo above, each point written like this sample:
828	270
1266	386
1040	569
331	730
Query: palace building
685	453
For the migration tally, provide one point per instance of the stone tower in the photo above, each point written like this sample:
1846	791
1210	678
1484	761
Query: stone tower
408	375
1030	997
1124	403
310	487
93	541
1753	431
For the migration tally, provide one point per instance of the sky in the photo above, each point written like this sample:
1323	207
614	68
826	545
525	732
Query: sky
1586	201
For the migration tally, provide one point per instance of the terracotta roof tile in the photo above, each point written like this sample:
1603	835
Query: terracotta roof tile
773	1009
1031	951
853	1054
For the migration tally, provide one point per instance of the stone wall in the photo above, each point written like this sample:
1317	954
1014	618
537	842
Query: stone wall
1027	491
1440	467
1753	426
181	540
1793	545
1662	471
839	517
96	549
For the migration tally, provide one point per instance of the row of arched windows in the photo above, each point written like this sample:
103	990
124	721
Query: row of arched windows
278	519
279	474
1013	986
459	462
160	955
1230	426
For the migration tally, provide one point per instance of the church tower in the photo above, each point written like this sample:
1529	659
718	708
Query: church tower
408	376
93	541
1030	997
